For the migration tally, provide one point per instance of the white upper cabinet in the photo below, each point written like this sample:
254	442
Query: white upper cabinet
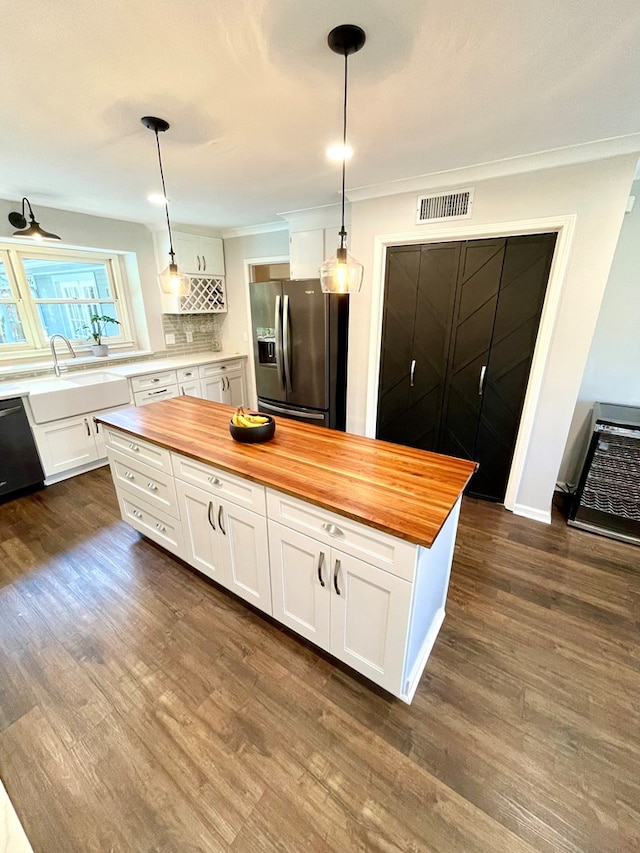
306	253
195	253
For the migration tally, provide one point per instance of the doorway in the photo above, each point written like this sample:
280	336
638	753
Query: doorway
459	328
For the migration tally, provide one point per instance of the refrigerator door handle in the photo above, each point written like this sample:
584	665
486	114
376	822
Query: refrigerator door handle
278	327
291	411
285	344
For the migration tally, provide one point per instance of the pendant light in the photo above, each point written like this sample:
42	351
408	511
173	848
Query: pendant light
342	273
34	230
174	284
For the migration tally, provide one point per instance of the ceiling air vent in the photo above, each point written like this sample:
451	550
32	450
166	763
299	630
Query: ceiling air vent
435	208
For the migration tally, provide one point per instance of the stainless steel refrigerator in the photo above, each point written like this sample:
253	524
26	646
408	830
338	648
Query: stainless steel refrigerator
300	351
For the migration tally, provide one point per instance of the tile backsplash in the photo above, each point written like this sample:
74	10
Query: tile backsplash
204	328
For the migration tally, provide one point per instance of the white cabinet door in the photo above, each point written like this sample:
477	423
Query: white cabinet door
227	543
212	255
246	554
187	249
202	544
300	583
369	619
236	389
213	388
66	444
191	388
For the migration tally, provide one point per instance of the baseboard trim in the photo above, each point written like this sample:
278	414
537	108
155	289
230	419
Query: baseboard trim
531	512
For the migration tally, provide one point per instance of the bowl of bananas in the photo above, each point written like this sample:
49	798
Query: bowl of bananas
251	428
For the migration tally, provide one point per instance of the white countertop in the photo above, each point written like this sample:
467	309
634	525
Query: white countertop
20	387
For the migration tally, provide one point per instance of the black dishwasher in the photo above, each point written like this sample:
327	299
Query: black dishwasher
19	461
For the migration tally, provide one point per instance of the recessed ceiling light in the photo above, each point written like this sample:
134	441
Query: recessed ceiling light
339	152
157	198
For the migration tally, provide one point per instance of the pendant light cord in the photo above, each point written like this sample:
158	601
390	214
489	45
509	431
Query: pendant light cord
166	200
343	233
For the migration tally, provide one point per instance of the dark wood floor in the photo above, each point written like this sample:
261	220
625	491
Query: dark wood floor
143	709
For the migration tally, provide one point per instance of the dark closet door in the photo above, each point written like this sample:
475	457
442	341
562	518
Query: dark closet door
459	329
472	330
527	264
419	296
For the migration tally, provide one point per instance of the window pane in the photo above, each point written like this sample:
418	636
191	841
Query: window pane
53	279
70	320
5	287
11	331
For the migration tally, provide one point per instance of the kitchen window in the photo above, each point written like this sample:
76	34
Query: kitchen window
48	291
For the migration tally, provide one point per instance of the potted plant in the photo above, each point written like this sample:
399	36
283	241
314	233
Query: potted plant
95	328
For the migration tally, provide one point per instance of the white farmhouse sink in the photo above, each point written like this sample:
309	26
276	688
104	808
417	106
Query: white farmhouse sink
52	398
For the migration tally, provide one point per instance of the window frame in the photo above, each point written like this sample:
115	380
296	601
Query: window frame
37	343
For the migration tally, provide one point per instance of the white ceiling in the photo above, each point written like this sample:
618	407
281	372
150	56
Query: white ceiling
254	96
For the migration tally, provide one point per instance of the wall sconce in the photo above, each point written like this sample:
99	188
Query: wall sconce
33	230
171	280
342	273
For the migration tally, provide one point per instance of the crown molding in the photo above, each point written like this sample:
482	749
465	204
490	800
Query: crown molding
600	149
249	230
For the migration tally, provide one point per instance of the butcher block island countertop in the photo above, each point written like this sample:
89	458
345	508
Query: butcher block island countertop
405	492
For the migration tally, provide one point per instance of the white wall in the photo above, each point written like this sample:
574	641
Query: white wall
79	230
595	194
612	374
237	250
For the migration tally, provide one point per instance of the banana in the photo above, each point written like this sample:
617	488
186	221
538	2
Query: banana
243	419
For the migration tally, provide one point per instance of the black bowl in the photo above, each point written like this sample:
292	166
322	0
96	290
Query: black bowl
253	435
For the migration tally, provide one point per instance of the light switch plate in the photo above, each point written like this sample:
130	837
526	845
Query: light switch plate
169	338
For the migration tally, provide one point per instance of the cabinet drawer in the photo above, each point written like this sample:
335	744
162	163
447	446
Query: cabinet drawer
153	395
135	448
153	380
380	549
151	522
152	485
220	484
187	374
220	367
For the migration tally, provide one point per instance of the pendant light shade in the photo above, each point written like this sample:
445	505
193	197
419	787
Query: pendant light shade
34	229
341	273
170	278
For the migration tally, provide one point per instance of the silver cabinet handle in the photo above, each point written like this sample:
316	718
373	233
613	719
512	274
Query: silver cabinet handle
152	487
204	262
160	527
412	372
220	525
481	383
320	564
335	577
215	481
86	423
128	475
134	447
155	379
209	514
332	530
136	512
198	259
155	393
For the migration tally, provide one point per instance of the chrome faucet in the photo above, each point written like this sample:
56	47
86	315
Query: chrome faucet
56	366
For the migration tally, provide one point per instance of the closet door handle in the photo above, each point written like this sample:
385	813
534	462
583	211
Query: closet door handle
483	372
412	372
